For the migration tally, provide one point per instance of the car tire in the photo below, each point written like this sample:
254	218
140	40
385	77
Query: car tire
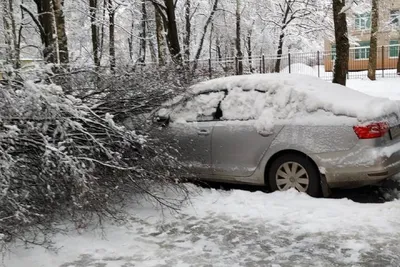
293	171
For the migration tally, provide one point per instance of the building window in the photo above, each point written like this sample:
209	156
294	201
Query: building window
394	48
363	21
395	17
333	52
362	51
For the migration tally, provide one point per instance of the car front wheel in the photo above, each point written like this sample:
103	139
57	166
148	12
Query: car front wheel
294	171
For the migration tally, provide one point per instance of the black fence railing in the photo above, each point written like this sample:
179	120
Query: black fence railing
319	64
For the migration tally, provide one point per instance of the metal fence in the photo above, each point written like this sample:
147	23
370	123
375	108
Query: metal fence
319	64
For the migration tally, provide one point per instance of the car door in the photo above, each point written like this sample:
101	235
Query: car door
239	141
192	142
190	130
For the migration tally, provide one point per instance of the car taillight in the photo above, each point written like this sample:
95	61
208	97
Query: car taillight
373	130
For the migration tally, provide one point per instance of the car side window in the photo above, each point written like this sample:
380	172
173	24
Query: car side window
243	105
202	107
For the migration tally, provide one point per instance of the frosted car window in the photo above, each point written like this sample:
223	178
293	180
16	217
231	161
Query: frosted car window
199	108
243	105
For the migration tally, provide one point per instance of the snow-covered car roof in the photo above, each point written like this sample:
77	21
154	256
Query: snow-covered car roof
305	94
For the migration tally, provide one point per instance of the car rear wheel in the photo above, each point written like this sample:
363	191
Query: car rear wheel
294	171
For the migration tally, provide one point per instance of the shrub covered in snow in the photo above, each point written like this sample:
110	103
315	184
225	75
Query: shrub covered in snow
59	158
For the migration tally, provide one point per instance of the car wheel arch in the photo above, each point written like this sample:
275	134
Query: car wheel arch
280	154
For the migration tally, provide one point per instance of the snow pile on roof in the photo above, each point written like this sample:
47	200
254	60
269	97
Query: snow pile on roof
200	106
239	105
298	98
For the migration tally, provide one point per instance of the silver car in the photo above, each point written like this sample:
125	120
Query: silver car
283	131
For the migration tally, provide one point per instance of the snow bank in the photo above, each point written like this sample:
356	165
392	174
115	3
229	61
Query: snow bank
300	68
296	98
387	87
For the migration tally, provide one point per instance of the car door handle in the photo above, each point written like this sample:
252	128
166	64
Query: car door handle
203	132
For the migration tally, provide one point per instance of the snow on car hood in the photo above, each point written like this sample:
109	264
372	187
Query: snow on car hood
301	98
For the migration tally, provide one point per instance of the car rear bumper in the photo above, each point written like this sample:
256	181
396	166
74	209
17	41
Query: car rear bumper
359	166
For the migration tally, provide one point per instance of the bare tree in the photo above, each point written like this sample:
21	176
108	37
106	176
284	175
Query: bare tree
188	27
111	17
398	63
296	12
62	40
398	49
167	12
374	41
46	28
7	31
51	25
218	48
209	19
10	33
95	31
103	29
342	42
161	47
239	53
143	34
172	34
285	22
249	47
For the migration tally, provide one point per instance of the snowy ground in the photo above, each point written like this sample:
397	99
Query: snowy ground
240	228
383	87
236	228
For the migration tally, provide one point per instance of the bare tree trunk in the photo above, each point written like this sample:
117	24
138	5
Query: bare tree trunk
101	50
279	53
7	32
374	41
239	52
13	27
398	62
209	19
152	51
210	44
218	48
61	34
160	37
46	19
249	50
342	43
285	22
172	34
111	15
188	27
14	44
130	38
143	34
95	32
18	49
